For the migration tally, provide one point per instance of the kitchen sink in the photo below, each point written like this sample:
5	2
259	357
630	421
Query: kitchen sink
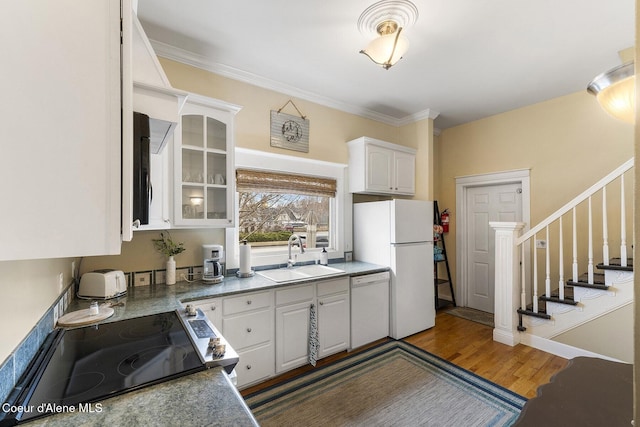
311	271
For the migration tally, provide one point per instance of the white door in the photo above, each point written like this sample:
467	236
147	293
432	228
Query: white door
333	324
489	203
292	335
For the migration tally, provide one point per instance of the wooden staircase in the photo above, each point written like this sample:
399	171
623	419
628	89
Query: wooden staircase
539	293
577	293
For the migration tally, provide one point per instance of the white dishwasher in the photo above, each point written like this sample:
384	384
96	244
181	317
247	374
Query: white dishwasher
369	308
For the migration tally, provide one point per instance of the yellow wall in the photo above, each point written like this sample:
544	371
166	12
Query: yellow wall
615	326
636	234
568	143
30	288
330	130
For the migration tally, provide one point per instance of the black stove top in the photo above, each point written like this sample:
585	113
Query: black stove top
91	363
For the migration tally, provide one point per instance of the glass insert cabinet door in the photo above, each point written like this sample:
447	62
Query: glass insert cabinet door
204	164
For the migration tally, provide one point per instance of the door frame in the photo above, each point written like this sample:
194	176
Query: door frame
463	183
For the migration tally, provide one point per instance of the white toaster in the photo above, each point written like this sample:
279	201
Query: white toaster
102	284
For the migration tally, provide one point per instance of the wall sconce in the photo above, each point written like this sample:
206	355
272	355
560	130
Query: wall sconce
385	21
615	91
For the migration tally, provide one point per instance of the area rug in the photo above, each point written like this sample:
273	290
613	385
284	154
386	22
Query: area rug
393	384
472	314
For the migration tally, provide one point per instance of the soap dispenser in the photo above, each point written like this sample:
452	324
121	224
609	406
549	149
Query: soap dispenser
324	257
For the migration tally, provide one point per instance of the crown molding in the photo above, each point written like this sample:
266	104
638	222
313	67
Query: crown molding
421	115
199	61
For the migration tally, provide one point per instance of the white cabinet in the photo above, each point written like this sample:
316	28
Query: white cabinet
61	130
333	316
379	167
272	337
247	323
212	308
293	307
204	163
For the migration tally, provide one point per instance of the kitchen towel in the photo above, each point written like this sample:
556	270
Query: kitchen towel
245	258
313	335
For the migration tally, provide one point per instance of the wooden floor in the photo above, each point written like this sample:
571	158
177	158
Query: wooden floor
470	345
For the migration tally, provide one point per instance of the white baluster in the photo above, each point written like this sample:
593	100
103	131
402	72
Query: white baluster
547	260
523	291
575	248
590	234
623	226
605	228
561	265
535	277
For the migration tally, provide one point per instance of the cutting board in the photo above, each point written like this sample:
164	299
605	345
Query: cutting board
82	317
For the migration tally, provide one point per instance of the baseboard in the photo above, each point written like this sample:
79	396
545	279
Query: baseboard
559	349
506	337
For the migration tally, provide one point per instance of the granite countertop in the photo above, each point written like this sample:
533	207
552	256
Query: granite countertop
203	398
145	300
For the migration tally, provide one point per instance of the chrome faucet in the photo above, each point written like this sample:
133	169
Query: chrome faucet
290	261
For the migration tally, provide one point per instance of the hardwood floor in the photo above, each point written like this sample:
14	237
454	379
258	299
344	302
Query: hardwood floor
470	345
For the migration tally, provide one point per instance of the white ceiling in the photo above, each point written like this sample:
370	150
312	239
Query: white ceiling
467	59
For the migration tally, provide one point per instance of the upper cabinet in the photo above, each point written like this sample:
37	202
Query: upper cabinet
379	167
61	132
203	163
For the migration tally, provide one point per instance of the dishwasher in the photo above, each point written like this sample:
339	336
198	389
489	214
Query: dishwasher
369	308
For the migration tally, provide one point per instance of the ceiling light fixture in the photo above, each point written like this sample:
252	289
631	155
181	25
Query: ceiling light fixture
615	91
385	21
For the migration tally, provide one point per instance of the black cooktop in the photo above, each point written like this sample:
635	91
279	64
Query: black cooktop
91	363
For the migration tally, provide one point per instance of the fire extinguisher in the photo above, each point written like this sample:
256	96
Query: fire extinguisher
444	220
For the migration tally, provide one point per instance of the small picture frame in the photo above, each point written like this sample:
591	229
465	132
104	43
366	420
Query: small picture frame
289	132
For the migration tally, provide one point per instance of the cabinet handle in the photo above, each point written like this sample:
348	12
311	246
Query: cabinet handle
321	303
248	329
213	307
248	367
248	302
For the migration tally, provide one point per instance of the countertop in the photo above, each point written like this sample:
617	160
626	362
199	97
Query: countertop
203	398
145	300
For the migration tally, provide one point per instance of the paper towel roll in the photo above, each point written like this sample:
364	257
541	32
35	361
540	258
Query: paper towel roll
245	259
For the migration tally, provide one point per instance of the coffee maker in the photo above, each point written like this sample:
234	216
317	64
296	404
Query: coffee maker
213	259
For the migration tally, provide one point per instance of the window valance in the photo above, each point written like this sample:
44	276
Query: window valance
248	180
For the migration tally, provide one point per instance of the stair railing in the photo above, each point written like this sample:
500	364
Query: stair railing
511	261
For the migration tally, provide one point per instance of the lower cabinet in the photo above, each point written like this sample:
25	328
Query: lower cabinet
333	324
293	309
270	329
246	321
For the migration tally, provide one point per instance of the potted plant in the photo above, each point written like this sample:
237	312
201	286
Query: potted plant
169	248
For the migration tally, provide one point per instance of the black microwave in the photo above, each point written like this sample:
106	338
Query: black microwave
142	191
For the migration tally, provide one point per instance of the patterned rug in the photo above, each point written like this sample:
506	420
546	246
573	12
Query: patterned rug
472	314
393	384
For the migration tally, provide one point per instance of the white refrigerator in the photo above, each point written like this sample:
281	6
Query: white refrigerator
399	233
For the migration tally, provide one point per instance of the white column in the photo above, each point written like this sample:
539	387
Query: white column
507	282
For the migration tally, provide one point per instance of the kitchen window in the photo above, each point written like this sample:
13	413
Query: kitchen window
273	205
282	195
